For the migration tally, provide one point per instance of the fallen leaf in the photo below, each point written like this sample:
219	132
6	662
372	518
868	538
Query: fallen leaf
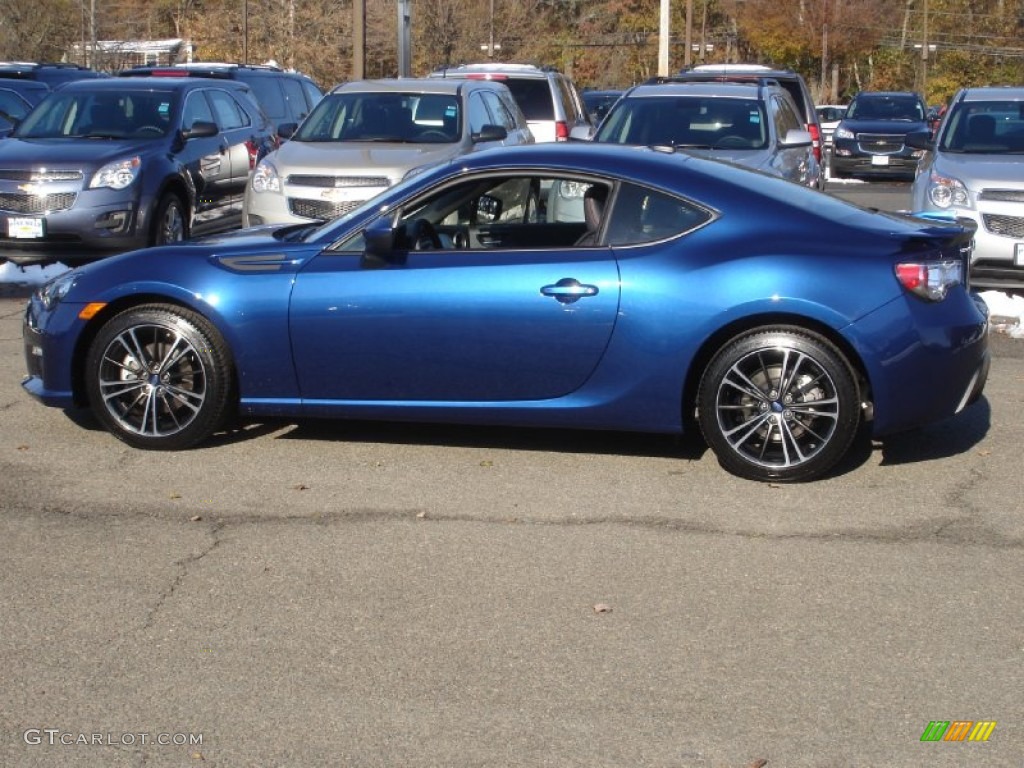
301	487
175	496
198	756
602	608
196	518
486	463
22	447
759	763
985	452
422	514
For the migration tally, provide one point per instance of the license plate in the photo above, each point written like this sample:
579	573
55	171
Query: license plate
25	228
1018	255
879	159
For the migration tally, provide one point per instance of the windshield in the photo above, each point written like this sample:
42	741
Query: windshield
877	107
984	127
100	115
418	118
686	121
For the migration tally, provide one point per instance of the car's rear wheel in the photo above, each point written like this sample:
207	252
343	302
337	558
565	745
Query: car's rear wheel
170	225
159	377
779	404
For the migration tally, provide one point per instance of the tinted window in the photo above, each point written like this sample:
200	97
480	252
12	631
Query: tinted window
785	118
269	95
229	114
533	97
498	112
297	107
197	108
643	215
12	105
478	114
683	121
383	116
878	107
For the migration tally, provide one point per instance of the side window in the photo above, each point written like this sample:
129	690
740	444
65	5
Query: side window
478	114
296	99
785	118
228	112
498	112
569	102
13	105
642	215
313	94
270	97
196	108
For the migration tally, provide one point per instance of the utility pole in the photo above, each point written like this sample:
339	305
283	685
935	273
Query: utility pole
359	40
924	55
663	39
404	60
687	55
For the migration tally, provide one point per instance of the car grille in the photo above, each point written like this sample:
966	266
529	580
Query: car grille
23	175
1002	195
320	209
1007	226
20	203
337	182
880	143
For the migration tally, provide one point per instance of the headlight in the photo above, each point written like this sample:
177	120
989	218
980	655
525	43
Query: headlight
117	175
265	178
947	192
52	292
843	133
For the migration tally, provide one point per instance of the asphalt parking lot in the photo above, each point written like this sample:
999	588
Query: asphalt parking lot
387	595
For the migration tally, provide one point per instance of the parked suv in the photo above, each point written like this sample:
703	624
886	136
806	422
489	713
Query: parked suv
550	100
871	139
756	125
975	169
791	81
366	135
111	165
286	97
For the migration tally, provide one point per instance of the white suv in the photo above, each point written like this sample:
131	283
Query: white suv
550	100
367	135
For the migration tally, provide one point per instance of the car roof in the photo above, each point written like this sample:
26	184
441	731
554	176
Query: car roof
993	93
412	85
146	83
511	69
725	90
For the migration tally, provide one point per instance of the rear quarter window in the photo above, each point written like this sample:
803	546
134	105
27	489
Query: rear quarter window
269	95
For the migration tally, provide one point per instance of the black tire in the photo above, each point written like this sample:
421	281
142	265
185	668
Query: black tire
779	404
159	377
170	222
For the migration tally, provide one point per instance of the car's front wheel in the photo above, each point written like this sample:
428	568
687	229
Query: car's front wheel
779	404
170	224
159	377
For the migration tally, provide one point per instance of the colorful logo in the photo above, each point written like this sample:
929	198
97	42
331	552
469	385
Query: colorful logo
958	730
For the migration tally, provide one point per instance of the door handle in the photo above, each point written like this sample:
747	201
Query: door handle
568	289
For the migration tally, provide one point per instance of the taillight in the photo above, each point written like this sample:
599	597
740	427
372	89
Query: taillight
815	132
561	131
254	152
930	280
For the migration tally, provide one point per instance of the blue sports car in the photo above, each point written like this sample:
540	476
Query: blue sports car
776	318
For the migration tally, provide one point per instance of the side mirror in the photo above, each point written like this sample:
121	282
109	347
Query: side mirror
287	130
796	137
920	140
582	132
200	129
380	238
490	133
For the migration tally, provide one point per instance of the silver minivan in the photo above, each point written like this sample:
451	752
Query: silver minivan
367	135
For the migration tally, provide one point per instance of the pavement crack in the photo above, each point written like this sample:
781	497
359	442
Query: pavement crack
184	567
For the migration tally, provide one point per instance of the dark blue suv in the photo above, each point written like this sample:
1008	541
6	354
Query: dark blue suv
111	164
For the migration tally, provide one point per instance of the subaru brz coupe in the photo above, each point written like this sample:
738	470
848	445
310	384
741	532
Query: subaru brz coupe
695	294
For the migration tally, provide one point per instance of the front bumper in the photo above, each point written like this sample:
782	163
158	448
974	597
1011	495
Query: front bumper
49	339
97	219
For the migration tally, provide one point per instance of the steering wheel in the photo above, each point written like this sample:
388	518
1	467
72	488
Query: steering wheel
423	236
733	142
434	133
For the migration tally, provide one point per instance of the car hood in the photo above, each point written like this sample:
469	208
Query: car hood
56	153
883	126
758	159
363	158
978	171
